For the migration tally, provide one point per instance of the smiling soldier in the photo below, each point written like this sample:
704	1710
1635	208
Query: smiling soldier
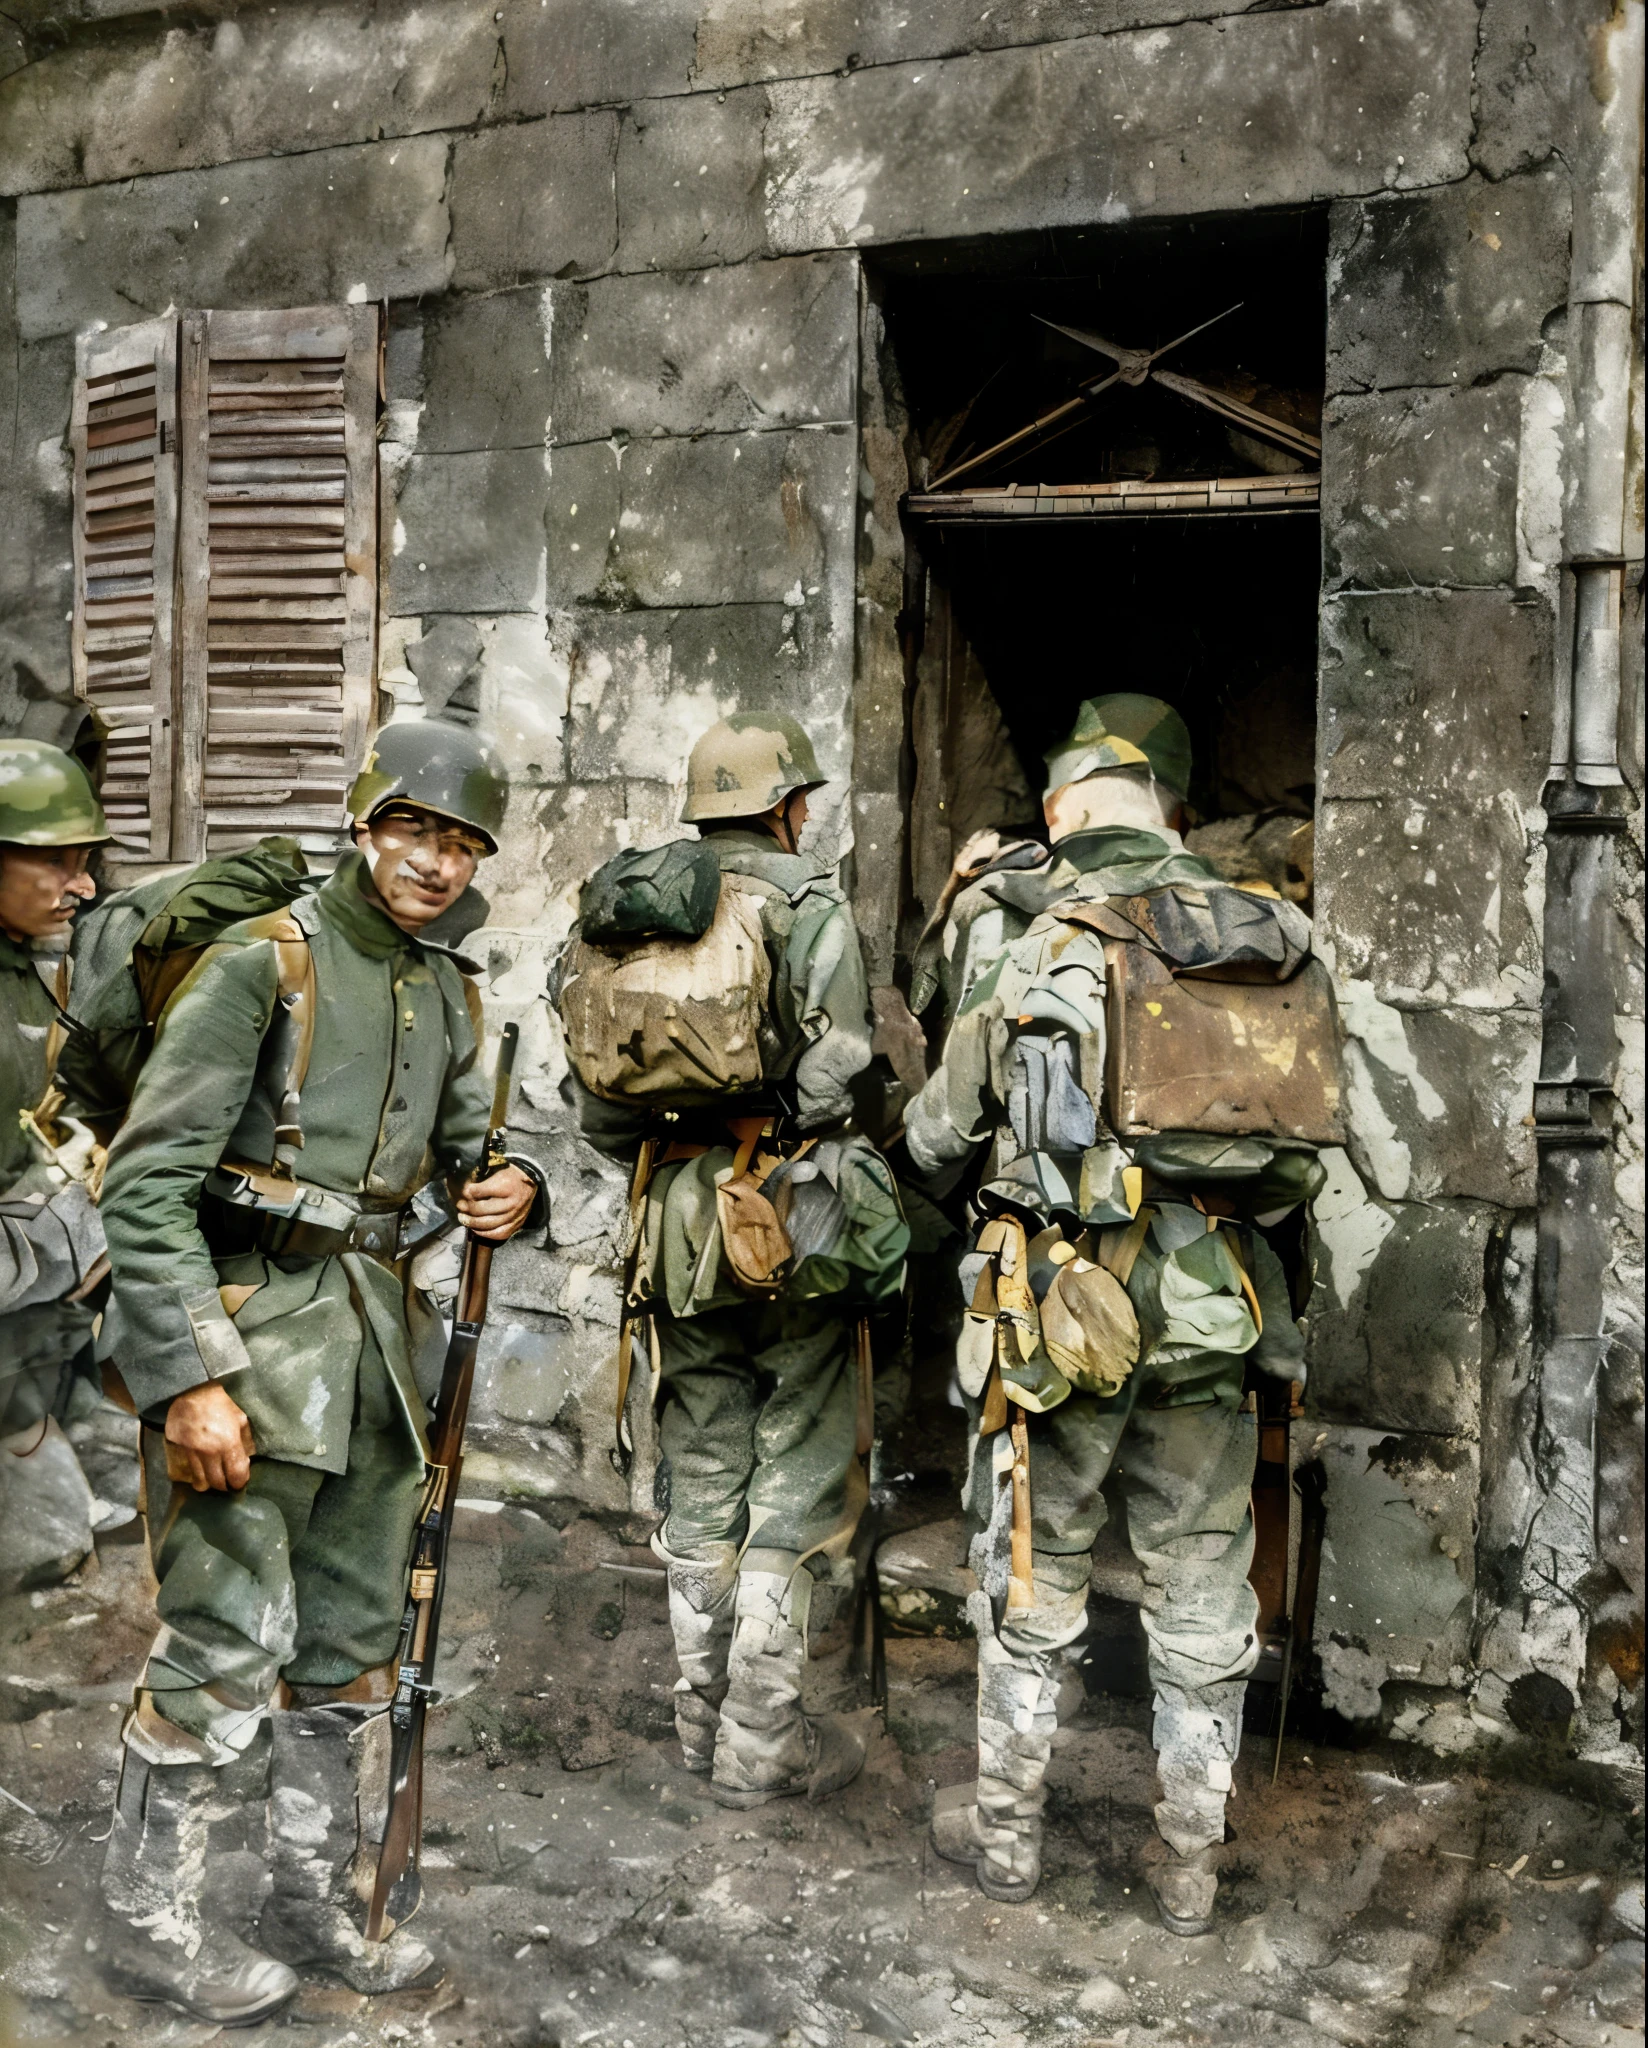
315	1071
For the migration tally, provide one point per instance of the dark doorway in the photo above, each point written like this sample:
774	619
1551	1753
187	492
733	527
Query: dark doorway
1066	564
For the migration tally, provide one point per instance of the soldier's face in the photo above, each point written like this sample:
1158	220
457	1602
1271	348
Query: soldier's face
41	888
421	862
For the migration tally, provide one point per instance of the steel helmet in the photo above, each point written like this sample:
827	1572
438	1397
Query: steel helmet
746	765
444	768
1124	731
47	798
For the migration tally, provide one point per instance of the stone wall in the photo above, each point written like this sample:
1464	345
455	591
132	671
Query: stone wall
642	455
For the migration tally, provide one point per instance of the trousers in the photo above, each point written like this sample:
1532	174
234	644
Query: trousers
1185	1475
759	1426
300	1576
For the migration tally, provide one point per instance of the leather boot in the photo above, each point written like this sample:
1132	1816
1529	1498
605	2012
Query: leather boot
998	1828
702	1592
164	1943
1197	1732
315	1912
767	1748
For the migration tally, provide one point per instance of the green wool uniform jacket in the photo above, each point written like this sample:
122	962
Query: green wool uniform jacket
393	1097
50	1236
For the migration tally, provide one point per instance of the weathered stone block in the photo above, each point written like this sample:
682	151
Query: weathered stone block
523	695
534	200
1439	1100
1395	1592
728	519
556	838
1432	903
176	94
749	345
877	883
645	684
1439	693
583	53
739	42
36	548
1445	286
690	180
1395	1316
473	533
1420	487
486	373
1272	109
522	1373
1527	79
367	223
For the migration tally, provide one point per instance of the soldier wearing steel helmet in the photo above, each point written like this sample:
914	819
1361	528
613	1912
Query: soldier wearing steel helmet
1137	1362
50	1238
316	1071
760	1394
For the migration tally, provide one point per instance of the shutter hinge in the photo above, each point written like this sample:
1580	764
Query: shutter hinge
168	438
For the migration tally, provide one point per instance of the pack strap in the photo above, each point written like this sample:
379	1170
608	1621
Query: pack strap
291	1035
647	1161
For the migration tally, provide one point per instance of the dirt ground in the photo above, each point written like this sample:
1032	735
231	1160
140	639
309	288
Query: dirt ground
586	1890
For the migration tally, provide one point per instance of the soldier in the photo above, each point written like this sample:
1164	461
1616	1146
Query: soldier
50	1236
764	1228
313	1073
1146	1382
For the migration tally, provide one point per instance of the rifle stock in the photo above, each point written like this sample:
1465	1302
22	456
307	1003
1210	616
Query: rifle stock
396	1891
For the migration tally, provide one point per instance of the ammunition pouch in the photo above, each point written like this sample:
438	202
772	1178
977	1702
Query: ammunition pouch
245	1209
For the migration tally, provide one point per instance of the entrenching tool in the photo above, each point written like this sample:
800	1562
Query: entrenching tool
395	1892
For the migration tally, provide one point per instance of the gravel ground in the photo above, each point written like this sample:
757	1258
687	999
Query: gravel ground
587	1891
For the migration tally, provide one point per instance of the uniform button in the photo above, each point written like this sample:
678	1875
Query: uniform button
408	1017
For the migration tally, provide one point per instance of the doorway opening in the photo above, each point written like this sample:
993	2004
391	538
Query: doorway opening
1113	441
1113	438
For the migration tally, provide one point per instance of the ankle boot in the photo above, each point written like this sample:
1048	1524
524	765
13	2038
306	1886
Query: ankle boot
1198	1732
998	1829
702	1592
767	1748
164	1943
315	1912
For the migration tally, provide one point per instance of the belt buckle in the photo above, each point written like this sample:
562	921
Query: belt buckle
375	1234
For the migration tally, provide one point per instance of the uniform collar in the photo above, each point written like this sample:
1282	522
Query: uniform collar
351	906
14	956
1105	846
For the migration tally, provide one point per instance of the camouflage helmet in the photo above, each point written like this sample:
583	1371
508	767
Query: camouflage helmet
1124	731
746	765
47	798
443	768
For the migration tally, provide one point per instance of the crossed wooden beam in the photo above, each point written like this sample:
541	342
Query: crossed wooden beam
1135	366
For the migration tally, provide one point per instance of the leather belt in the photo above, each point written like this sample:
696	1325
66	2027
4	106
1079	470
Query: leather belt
255	1212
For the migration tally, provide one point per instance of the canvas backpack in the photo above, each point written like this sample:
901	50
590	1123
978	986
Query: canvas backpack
135	948
663	990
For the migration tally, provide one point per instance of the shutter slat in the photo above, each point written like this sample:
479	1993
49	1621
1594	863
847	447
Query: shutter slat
278	555
123	434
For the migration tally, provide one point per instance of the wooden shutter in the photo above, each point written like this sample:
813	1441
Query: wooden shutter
124	436
225	619
277	572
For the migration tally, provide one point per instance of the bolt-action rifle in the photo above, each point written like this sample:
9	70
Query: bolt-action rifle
396	1891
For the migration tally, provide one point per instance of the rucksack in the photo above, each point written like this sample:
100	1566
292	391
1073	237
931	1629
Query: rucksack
1225	1032
663	989
134	949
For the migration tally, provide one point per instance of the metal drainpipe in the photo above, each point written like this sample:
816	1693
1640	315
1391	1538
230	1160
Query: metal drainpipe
1585	803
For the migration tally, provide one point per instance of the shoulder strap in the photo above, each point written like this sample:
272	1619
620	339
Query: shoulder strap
291	1036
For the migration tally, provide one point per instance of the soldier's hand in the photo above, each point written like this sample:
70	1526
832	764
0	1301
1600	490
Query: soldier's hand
214	1437
496	1208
